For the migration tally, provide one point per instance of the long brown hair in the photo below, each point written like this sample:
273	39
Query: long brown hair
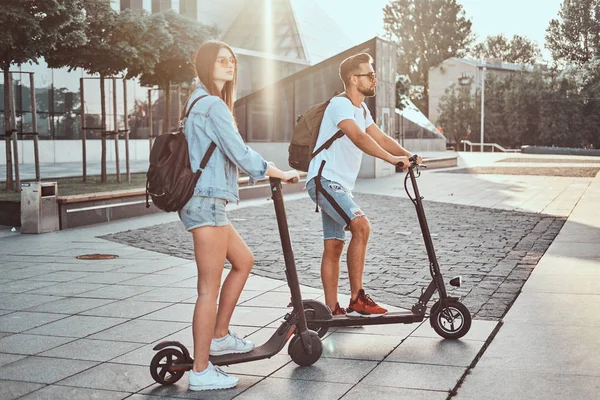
205	60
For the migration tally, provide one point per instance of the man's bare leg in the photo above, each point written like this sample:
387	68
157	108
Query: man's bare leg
330	270
357	250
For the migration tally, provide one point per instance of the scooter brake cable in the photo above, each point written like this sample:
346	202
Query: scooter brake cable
414	201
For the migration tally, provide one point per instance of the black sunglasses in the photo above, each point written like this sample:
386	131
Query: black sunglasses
372	76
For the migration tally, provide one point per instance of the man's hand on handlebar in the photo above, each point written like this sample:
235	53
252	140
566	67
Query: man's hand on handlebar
396	160
419	159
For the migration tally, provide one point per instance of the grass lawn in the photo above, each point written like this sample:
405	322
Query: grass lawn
69	186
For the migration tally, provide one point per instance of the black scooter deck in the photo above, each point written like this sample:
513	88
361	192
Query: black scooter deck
401	317
267	350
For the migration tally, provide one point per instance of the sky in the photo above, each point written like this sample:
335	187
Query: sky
363	19
527	18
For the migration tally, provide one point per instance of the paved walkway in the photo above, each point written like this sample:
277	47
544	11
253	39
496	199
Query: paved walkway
549	344
73	329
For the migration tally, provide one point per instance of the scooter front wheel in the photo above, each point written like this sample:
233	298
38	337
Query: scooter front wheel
299	356
451	321
162	366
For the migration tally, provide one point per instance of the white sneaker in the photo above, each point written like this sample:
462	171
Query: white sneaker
211	378
230	344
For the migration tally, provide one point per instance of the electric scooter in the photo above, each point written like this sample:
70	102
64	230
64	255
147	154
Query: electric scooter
173	358
448	316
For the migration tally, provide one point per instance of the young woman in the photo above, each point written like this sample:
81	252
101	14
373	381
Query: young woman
215	239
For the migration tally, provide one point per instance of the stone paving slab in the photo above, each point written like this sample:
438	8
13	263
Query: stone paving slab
493	250
276	388
482	384
364	391
10	390
43	369
414	376
74	393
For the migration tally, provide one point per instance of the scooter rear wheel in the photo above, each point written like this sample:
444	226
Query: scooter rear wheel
451	321
319	313
299	356
162	366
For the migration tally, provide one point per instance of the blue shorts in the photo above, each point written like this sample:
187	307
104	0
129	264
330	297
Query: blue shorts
203	211
334	225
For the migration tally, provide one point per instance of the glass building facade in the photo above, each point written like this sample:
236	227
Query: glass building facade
58	100
269	114
58	97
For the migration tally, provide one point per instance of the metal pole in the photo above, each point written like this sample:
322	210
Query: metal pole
8	132
150	127
402	128
103	129
126	123
116	129
15	136
482	106
178	101
83	130
36	148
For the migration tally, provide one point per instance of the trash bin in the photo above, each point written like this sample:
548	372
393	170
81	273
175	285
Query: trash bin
39	208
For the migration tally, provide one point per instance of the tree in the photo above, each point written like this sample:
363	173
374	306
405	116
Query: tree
126	42
427	32
561	114
585	82
574	39
575	35
175	63
519	49
30	28
496	130
458	112
402	91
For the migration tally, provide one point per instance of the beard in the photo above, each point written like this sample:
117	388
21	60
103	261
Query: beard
367	92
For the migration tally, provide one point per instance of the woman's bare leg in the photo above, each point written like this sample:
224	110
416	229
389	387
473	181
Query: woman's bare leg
210	249
242	260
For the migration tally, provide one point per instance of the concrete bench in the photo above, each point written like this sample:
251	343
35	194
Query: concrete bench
93	208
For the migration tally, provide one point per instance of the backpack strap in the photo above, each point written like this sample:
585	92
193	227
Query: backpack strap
319	187
212	146
321	191
185	114
206	157
328	143
338	134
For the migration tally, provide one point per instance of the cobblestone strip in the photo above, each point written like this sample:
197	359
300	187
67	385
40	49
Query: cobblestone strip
493	250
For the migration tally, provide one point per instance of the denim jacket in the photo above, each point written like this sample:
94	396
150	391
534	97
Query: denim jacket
210	121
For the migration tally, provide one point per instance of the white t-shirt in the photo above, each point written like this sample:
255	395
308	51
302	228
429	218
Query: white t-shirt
343	158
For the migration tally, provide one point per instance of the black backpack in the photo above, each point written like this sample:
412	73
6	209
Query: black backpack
170	180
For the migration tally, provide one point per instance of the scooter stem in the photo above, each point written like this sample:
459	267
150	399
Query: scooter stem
290	263
426	234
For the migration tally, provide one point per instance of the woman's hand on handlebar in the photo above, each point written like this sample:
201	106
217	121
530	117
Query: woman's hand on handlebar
291	176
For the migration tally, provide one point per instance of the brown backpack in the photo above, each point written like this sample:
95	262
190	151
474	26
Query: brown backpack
304	138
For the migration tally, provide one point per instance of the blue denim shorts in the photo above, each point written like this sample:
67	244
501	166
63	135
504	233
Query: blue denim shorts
204	211
334	225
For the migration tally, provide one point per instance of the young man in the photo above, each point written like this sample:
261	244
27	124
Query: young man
331	177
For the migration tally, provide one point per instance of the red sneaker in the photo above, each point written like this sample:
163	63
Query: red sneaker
364	306
338	310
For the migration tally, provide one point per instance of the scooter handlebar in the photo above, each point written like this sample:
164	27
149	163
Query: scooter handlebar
413	162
